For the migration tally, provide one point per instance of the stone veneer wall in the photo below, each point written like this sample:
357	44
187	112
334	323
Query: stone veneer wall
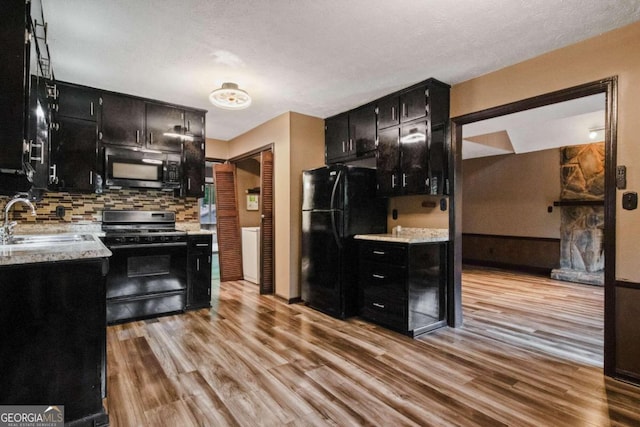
88	207
582	227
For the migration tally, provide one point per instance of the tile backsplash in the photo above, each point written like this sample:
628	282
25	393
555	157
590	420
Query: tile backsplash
88	207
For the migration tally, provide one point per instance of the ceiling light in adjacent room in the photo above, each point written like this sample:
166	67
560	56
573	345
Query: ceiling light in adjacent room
595	132
230	97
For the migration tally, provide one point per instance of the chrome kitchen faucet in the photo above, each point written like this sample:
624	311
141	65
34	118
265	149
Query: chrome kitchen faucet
7	228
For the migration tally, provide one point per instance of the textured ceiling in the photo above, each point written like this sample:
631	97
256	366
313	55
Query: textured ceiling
312	57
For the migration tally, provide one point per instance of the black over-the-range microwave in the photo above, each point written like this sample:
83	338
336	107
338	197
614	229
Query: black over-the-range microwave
126	168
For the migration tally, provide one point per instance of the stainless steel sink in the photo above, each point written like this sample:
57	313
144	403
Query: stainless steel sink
43	240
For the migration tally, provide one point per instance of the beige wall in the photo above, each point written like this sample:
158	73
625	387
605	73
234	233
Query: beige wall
616	53
411	213
307	152
245	180
216	149
298	143
508	195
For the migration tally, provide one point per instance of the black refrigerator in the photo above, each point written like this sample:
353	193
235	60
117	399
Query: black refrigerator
338	202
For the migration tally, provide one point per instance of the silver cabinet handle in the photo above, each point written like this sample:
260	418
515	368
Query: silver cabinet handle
377	304
137	136
393	113
188	183
198	264
378	276
379	253
404	110
91	177
343	147
53	178
404	180
393	181
100	135
202	245
91	108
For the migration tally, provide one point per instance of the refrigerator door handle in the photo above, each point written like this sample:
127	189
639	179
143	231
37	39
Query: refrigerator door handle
336	236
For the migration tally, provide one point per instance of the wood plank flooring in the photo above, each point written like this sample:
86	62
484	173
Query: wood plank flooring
255	361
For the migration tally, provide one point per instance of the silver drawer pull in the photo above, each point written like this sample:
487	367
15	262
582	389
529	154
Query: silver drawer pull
378	276
379	253
202	245
377	304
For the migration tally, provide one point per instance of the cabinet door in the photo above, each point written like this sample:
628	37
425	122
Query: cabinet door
413	104
14	85
413	163
199	272
200	291
163	119
336	138
77	102
194	123
388	111
438	162
122	120
193	167
362	129
387	162
74	154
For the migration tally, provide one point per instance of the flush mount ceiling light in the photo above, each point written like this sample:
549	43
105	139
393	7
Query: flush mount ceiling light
230	97
595	132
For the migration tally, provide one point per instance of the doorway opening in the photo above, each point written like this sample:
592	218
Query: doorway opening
608	87
244	187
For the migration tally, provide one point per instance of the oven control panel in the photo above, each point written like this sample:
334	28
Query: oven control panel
143	238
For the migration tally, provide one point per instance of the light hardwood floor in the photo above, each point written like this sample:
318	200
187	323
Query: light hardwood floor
254	360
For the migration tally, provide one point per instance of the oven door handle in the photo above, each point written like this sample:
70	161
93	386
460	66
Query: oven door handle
149	245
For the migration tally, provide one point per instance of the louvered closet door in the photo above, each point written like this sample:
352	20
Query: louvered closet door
228	224
266	225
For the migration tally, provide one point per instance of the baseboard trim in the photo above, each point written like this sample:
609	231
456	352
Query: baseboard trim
625	284
295	300
539	271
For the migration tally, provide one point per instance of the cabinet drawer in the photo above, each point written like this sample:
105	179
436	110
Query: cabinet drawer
199	244
379	307
377	275
386	253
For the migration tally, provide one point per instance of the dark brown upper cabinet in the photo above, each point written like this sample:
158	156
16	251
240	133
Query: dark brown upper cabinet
122	121
387	162
412	155
77	101
194	123
336	137
351	135
193	166
362	129
165	124
404	107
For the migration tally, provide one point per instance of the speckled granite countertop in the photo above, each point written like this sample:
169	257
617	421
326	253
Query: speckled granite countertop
92	247
410	235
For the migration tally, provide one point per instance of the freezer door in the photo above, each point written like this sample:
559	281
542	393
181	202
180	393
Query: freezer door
321	189
321	261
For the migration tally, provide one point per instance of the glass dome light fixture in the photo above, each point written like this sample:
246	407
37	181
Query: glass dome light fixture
230	97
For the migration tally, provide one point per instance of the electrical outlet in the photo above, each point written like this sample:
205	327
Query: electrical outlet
60	211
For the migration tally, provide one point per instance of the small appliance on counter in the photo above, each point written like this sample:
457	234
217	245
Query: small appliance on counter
338	203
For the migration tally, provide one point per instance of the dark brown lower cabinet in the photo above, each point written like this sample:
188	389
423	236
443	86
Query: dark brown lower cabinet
53	334
403	286
199	272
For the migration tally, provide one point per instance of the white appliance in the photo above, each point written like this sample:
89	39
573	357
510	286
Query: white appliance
251	254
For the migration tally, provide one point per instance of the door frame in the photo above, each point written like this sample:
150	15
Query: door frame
248	155
608	86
